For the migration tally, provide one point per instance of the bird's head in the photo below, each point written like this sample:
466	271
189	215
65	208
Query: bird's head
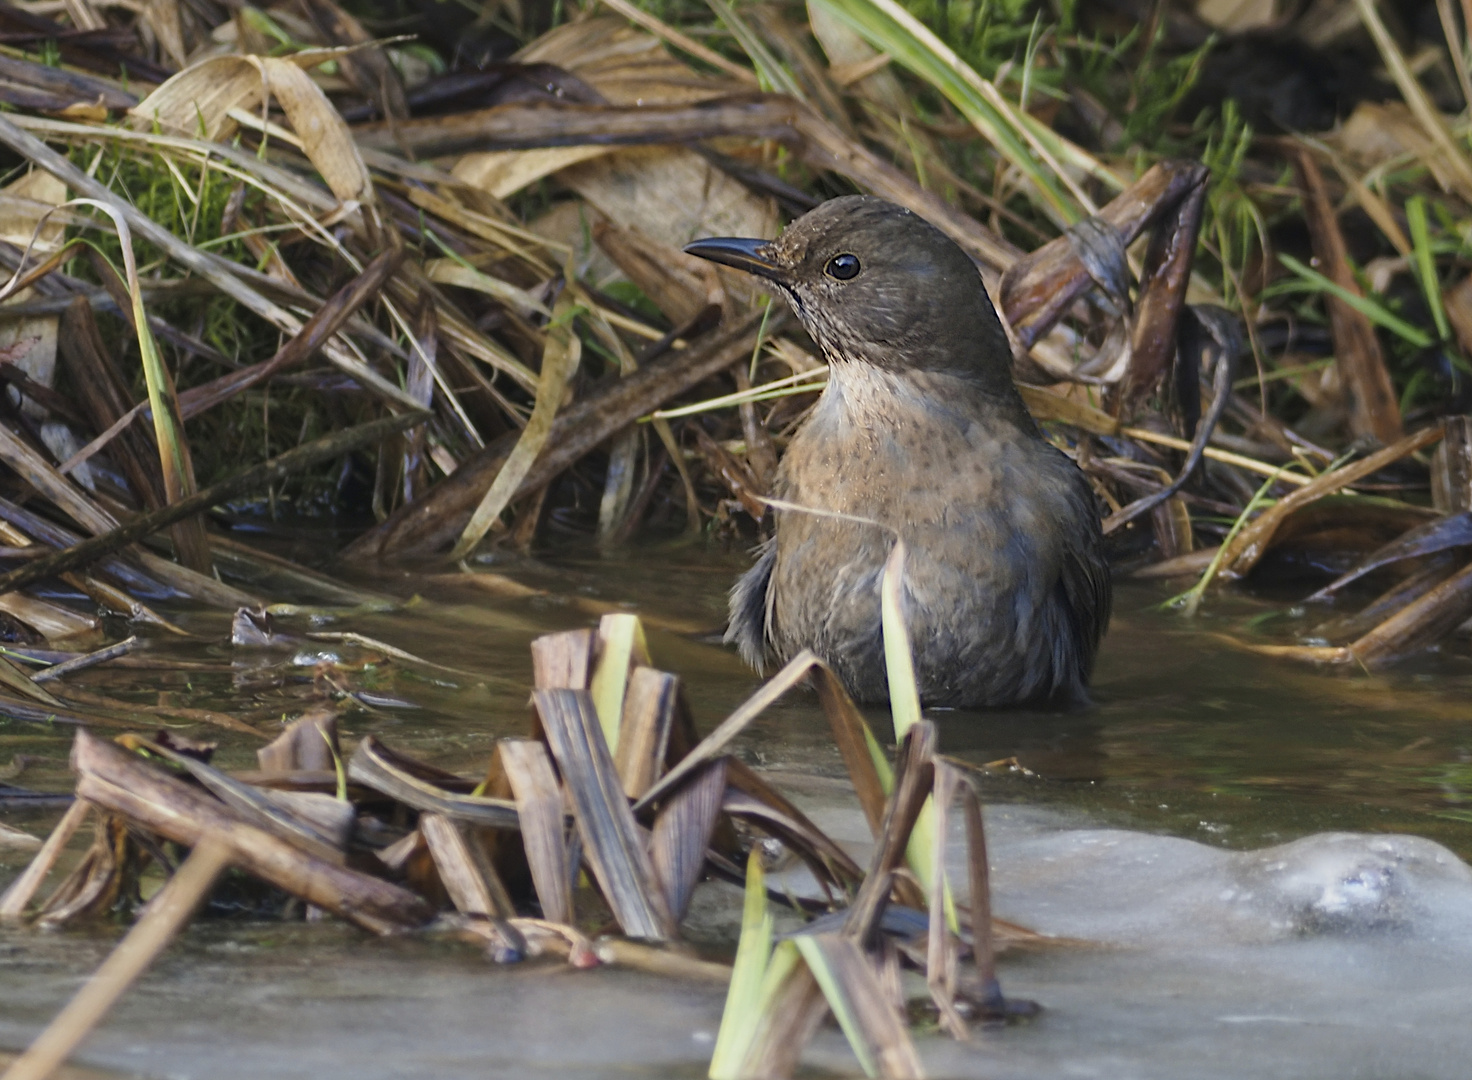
874	283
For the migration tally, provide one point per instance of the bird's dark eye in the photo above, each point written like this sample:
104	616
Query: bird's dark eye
843	267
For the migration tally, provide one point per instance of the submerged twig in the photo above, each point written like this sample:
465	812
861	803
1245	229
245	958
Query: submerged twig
92	659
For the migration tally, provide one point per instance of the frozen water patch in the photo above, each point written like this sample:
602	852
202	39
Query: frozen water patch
1336	957
1129	888
1339	956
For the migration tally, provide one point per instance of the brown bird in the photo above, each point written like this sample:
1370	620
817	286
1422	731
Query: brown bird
921	434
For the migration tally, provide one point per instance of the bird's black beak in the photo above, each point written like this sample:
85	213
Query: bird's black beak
736	251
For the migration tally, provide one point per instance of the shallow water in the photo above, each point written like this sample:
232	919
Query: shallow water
1188	737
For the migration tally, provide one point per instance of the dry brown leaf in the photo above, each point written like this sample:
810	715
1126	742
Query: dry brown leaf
503	173
626	66
1237	16
22	206
1377	132
673	196
559	361
162	18
199	101
51	621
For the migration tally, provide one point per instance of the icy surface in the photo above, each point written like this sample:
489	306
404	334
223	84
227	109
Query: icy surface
1121	887
1338	956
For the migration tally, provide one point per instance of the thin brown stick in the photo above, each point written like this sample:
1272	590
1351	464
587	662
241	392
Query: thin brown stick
91	659
821	145
300	348
17	898
164	917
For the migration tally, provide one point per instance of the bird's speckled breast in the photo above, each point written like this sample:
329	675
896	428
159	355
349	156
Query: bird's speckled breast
926	457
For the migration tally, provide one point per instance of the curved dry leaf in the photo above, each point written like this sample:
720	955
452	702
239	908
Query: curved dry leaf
199	100
672	196
51	621
325	137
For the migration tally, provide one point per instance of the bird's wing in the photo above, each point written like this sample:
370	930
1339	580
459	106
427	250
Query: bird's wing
1085	579
750	608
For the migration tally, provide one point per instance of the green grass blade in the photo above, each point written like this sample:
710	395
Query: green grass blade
1190	600
1426	263
891	29
904	704
1377	313
748	976
168	427
838	1001
770	70
623	639
904	690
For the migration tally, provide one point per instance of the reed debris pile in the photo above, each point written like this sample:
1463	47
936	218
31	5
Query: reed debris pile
608	814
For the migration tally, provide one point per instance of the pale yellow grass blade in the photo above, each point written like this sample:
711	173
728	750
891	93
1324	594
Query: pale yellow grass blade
559	360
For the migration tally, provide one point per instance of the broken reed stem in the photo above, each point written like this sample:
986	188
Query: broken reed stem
163	918
302	457
14	900
1242	552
